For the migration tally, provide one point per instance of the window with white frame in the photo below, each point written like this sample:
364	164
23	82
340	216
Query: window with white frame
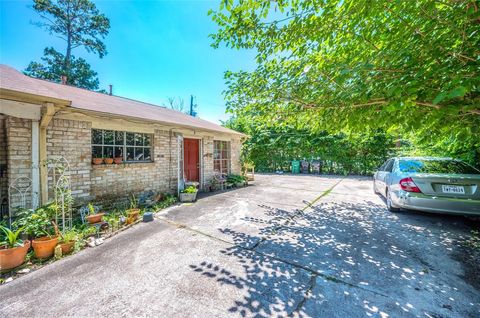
131	147
221	156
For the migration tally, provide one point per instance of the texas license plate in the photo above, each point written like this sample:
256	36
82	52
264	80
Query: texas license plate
453	189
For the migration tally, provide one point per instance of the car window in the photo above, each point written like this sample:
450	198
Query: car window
389	165
437	166
382	167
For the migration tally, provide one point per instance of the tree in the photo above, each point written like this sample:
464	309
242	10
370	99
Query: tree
80	74
410	67
79	24
177	104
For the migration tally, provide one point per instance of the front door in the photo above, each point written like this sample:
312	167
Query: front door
191	159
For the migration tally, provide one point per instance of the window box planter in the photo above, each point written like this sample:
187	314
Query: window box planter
188	197
97	161
118	160
108	161
13	257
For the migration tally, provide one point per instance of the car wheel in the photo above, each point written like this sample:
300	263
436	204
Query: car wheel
375	187
390	207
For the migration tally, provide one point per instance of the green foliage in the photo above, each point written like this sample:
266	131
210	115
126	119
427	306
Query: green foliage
133	202
91	209
167	201
11	239
273	148
234	178
52	68
70	235
410	68
36	223
190	189
79	24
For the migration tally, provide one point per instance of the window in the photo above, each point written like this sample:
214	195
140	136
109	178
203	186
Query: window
389	166
436	166
221	156
131	147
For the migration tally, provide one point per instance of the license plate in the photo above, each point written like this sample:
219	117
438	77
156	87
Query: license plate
453	189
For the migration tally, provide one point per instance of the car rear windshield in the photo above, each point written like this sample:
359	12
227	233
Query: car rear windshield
436	166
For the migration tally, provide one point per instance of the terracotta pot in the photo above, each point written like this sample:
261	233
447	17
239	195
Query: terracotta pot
133	213
44	246
108	161
67	247
97	161
13	257
95	218
118	160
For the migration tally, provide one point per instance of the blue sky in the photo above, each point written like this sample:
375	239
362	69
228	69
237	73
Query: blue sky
156	49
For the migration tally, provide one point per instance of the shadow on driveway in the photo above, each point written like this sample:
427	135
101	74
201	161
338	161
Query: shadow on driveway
352	259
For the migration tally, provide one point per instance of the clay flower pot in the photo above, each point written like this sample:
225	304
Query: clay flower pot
97	161
132	215
67	247
118	160
95	218
13	257
108	161
44	246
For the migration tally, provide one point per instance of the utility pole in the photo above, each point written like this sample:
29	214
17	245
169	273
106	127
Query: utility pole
191	105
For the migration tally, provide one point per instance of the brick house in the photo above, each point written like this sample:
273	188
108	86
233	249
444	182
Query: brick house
159	148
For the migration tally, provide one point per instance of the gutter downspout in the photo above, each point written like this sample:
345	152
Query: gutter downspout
47	115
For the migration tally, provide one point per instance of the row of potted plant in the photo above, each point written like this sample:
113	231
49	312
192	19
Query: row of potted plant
37	229
107	160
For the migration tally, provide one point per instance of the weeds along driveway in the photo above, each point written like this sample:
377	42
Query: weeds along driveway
303	246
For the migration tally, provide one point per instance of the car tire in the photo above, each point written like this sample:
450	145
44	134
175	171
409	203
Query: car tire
390	207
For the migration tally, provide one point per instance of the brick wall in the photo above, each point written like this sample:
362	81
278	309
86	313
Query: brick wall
3	164
19	158
125	179
71	140
208	171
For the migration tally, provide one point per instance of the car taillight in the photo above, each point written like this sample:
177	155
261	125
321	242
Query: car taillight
408	185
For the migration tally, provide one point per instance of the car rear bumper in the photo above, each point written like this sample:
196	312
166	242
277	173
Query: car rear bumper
422	202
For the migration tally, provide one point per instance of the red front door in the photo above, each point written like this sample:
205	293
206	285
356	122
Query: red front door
191	158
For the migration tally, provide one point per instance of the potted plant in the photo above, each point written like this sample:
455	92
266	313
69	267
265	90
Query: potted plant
134	211
108	161
97	160
93	217
189	194
39	225
67	240
118	160
12	249
237	180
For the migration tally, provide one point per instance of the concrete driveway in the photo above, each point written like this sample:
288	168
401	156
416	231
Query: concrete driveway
302	246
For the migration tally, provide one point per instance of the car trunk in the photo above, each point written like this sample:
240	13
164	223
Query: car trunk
448	185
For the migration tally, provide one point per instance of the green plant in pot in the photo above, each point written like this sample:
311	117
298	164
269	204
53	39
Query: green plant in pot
67	240
134	211
93	215
12	248
189	194
39	225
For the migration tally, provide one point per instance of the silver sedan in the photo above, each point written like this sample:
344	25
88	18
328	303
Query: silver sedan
441	185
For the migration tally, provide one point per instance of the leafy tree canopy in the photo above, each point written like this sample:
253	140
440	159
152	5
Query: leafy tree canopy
80	74
410	67
79	24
